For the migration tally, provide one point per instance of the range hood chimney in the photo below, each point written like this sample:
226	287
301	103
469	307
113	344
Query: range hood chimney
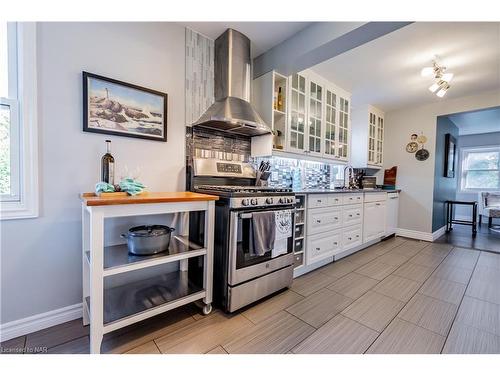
232	112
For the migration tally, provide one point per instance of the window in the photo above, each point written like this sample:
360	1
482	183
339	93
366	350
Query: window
480	168
18	130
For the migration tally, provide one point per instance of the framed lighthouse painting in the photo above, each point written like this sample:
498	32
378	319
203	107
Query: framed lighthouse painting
118	108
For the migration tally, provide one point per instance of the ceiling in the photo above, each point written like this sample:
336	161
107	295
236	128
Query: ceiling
477	122
263	35
386	71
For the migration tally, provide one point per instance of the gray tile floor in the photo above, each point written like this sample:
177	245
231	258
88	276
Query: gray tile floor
398	296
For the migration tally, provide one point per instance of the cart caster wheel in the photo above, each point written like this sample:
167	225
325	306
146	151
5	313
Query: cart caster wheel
207	309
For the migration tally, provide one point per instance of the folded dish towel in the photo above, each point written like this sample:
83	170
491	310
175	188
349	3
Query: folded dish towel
104	187
283	224
131	186
264	232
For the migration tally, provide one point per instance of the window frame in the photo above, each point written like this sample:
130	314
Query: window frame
464	152
23	97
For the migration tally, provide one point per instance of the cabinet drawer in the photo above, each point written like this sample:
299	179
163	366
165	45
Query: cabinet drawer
323	245
352	198
352	237
317	200
323	219
335	199
298	260
352	215
375	197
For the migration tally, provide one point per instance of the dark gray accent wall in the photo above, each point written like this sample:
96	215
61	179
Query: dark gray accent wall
444	188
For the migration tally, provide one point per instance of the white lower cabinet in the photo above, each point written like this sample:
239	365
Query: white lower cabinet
374	217
339	224
323	245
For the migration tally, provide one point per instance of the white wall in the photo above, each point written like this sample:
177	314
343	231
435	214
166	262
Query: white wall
41	258
415	178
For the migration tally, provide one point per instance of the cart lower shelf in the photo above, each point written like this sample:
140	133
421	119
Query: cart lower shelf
139	300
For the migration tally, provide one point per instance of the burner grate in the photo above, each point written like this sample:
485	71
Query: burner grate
244	189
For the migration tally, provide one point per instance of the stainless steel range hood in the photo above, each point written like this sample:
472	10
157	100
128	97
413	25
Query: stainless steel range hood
232	111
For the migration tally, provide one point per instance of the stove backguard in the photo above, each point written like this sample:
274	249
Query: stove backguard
210	144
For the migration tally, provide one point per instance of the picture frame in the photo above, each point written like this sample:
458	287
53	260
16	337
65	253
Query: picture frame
450	152
119	108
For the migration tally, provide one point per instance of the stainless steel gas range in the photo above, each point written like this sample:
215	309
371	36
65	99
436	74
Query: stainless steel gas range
240	276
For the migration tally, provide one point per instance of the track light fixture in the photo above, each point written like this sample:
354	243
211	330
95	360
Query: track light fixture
442	79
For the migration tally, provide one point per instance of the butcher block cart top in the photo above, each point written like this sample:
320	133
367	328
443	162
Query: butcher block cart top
110	308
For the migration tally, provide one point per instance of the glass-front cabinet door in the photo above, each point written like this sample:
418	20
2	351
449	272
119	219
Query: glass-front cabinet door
331	124
380	139
297	136
343	142
315	118
372	138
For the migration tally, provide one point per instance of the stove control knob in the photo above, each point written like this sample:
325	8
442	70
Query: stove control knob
281	200
254	201
289	200
245	202
269	200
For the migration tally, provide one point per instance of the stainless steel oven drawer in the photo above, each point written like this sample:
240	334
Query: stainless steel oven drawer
240	275
254	290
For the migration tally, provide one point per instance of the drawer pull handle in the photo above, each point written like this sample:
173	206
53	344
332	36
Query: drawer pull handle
357	214
336	218
349	238
378	204
335	243
350	215
318	221
357	235
318	248
319	201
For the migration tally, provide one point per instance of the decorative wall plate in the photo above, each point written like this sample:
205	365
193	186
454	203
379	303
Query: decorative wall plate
422	154
412	147
421	138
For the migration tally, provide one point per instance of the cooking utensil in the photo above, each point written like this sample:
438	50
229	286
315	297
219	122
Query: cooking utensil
148	239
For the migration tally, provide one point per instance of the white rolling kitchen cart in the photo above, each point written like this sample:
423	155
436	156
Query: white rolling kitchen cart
108	309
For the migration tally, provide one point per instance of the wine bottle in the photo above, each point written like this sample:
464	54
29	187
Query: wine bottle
108	165
280	100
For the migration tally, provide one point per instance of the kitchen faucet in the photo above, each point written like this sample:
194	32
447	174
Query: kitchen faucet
351	176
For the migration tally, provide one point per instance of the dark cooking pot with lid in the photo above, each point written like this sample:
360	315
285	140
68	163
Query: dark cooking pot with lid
148	239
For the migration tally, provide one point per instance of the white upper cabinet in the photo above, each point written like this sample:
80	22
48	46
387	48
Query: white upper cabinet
313	118
367	137
315	124
297	115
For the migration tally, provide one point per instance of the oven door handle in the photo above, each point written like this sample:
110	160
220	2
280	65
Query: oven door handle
249	215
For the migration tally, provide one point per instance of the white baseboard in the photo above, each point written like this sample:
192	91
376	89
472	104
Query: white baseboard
424	236
37	322
438	233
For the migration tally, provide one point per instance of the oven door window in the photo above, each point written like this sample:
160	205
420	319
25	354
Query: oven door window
245	255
